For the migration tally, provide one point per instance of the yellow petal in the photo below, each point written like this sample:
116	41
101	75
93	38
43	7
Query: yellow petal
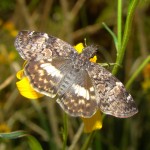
20	74
146	71
4	128
146	84
93	123
26	90
9	25
12	55
14	33
79	47
94	59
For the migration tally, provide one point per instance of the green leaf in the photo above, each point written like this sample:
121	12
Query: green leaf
13	135
112	34
34	143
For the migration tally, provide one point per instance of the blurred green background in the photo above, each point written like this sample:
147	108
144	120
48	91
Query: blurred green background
73	21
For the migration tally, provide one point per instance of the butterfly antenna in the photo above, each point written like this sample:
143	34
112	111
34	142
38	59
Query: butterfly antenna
85	42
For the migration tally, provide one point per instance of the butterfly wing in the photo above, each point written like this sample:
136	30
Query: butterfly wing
48	67
79	99
37	46
45	75
112	97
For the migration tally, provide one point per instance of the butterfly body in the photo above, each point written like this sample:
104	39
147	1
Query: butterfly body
54	68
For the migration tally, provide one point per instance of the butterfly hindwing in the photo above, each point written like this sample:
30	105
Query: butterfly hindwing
111	94
37	46
79	99
45	75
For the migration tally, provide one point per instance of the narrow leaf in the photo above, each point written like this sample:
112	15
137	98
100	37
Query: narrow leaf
112	34
34	143
13	135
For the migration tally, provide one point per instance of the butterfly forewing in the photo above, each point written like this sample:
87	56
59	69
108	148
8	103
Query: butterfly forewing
112	96
45	75
37	46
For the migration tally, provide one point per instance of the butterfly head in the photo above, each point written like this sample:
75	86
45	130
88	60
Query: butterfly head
83	58
88	52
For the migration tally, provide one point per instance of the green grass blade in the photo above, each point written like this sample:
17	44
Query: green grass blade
13	135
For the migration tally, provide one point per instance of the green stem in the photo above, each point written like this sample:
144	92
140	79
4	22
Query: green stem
112	34
88	141
119	23
42	119
128	84
137	72
65	132
126	34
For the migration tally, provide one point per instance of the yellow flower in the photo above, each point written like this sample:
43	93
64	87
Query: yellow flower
146	74
4	128
7	58
93	123
146	85
146	71
25	88
79	47
9	26
90	124
12	55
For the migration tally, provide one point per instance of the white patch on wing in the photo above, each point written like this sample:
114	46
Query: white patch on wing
81	91
31	32
91	89
119	84
46	35
51	70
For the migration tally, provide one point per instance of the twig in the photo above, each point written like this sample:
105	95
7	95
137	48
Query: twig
76	8
88	141
26	14
46	11
141	34
10	101
7	82
88	30
137	72
65	9
67	22
52	118
23	119
76	137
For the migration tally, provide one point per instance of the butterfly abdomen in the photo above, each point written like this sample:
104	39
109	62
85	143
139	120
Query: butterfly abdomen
66	82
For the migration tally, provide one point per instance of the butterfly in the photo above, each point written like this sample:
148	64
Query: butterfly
54	68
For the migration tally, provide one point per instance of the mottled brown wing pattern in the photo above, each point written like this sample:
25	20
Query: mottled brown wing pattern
37	46
112	97
45	75
79	99
55	68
